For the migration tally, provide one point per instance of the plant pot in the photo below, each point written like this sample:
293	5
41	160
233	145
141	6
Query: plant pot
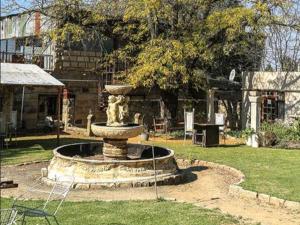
144	136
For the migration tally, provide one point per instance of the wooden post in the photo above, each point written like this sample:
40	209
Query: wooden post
58	115
22	107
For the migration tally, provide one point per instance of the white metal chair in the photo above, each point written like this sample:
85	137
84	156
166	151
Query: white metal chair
8	216
46	210
220	120
189	120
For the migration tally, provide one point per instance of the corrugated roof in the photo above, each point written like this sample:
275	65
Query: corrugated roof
26	74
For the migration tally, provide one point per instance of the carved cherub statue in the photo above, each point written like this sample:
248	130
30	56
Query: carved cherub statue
112	111
123	108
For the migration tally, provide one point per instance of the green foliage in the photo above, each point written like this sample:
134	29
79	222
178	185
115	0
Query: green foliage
177	134
171	44
235	133
247	132
163	62
283	131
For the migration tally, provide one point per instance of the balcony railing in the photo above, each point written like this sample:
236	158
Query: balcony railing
43	61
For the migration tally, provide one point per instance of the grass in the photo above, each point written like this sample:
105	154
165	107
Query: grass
34	149
133	213
272	171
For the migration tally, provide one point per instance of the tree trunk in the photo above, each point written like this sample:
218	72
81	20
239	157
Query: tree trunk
232	114
169	105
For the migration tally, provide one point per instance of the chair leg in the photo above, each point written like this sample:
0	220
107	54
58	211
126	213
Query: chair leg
47	220
55	220
23	220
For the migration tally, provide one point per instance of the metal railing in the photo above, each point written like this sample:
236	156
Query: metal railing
44	61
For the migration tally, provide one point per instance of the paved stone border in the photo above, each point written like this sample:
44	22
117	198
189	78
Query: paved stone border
238	191
167	180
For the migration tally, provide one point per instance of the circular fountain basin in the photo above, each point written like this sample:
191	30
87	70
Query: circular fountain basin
83	163
124	132
116	89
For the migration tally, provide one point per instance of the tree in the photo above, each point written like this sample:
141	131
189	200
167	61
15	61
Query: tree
172	44
282	48
176	44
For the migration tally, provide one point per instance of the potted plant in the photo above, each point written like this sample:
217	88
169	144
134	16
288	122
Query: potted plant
247	134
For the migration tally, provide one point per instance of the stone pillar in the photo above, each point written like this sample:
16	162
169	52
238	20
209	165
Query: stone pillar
66	114
255	101
90	120
8	100
210	103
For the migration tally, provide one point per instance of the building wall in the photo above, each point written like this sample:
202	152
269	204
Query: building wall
25	24
69	61
31	105
287	82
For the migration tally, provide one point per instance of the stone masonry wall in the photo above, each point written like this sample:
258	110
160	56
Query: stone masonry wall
287	82
83	61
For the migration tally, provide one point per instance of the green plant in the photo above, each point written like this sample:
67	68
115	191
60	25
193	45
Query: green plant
283	131
247	132
177	134
235	133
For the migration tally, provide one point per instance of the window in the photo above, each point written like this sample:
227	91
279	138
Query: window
272	106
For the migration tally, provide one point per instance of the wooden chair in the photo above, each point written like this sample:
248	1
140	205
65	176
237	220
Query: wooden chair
159	125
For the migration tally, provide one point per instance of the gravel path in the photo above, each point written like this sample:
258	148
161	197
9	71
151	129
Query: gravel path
204	187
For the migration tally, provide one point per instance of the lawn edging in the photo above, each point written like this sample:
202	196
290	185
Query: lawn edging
234	189
237	191
26	163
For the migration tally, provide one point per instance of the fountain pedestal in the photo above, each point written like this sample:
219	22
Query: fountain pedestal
115	149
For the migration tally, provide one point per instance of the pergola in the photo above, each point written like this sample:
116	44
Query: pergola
24	75
224	88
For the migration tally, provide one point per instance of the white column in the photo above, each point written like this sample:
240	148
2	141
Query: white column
210	106
255	118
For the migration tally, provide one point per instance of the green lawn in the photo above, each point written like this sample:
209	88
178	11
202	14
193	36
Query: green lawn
134	213
272	171
33	149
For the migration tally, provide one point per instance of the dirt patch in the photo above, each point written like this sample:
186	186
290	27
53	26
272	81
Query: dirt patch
203	187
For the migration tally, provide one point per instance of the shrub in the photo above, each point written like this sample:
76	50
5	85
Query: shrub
177	134
235	133
283	131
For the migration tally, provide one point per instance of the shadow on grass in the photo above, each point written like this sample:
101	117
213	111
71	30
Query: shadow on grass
231	145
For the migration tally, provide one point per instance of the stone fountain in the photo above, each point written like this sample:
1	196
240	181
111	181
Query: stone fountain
113	162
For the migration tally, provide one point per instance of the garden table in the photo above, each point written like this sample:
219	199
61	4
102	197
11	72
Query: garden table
211	131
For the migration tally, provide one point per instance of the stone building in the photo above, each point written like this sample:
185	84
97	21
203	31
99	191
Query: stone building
274	95
22	42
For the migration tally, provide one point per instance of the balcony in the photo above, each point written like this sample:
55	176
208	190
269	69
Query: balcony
43	61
